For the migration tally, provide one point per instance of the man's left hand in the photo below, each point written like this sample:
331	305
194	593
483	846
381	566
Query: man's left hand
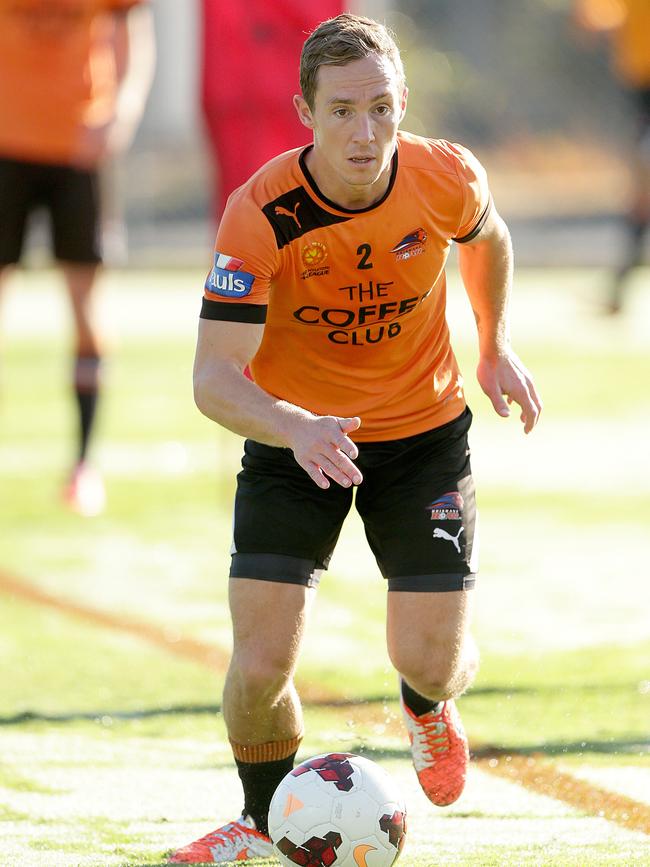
505	380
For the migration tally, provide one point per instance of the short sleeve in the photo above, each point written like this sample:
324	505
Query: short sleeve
245	259
476	200
125	5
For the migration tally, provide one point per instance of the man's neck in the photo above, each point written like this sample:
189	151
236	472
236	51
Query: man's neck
347	196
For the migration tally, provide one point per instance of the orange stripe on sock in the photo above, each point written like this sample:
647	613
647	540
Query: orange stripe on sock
272	751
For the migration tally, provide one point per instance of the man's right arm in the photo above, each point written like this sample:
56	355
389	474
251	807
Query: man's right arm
224	394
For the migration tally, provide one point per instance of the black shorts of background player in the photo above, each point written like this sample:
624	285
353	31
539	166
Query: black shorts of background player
637	217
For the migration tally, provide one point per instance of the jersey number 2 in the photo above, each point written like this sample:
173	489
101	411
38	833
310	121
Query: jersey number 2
364	250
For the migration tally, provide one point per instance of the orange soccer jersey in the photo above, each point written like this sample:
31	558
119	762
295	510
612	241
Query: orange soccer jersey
57	75
353	301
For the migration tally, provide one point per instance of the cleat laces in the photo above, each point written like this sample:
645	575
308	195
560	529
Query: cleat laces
430	738
236	841
440	752
230	837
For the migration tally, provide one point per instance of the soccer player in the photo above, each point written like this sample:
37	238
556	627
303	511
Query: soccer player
328	288
627	23
74	76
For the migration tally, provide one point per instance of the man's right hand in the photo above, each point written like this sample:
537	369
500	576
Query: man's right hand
322	447
320	443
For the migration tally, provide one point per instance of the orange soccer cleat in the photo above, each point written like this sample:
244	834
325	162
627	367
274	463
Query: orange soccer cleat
440	752
236	841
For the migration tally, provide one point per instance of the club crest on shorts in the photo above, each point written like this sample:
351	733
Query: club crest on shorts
448	507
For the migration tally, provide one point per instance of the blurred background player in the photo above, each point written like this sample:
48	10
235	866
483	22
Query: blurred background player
74	77
627	22
248	76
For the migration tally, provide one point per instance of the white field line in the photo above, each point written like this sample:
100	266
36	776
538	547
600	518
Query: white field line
540	775
162	794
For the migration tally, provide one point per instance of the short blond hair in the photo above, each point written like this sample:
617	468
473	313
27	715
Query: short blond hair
340	40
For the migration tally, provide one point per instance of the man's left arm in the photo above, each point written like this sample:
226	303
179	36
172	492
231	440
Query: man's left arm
486	266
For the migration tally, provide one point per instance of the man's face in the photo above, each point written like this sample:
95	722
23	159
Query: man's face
357	110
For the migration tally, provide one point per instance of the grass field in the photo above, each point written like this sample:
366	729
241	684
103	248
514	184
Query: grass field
114	631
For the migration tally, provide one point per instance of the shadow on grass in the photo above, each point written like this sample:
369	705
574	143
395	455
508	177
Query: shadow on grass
487	751
625	746
562	748
29	716
559	748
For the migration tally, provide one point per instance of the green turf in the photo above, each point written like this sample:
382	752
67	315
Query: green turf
560	617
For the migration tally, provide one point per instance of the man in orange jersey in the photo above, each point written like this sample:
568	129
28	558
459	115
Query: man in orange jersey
628	24
74	75
328	284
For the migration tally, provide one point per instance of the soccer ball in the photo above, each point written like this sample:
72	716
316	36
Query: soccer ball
337	810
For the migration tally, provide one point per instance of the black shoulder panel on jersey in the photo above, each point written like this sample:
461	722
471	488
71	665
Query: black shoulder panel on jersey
479	225
233	312
294	213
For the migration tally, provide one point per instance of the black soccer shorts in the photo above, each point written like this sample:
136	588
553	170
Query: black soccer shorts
416	501
70	195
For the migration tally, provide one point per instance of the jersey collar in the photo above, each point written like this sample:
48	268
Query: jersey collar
334	205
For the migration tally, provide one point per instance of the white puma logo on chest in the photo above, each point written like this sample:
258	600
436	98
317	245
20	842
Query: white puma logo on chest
443	534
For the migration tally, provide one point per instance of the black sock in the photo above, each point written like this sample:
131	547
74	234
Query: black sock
86	387
260	780
418	703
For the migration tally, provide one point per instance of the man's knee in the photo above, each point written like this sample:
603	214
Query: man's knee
439	674
260	677
434	681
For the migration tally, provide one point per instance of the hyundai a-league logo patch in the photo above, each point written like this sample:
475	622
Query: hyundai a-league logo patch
226	279
447	508
313	257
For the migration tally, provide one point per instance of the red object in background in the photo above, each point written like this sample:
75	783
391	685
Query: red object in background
249	73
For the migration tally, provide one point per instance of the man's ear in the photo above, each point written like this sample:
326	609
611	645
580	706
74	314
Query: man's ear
304	112
405	95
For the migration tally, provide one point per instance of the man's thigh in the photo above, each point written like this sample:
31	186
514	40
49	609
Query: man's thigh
17	199
73	198
285	526
419	511
255	606
430	630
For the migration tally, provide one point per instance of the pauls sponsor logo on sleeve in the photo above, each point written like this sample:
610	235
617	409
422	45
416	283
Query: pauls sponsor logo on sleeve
226	280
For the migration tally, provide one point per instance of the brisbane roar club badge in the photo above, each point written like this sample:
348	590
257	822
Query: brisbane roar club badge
448	507
411	245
